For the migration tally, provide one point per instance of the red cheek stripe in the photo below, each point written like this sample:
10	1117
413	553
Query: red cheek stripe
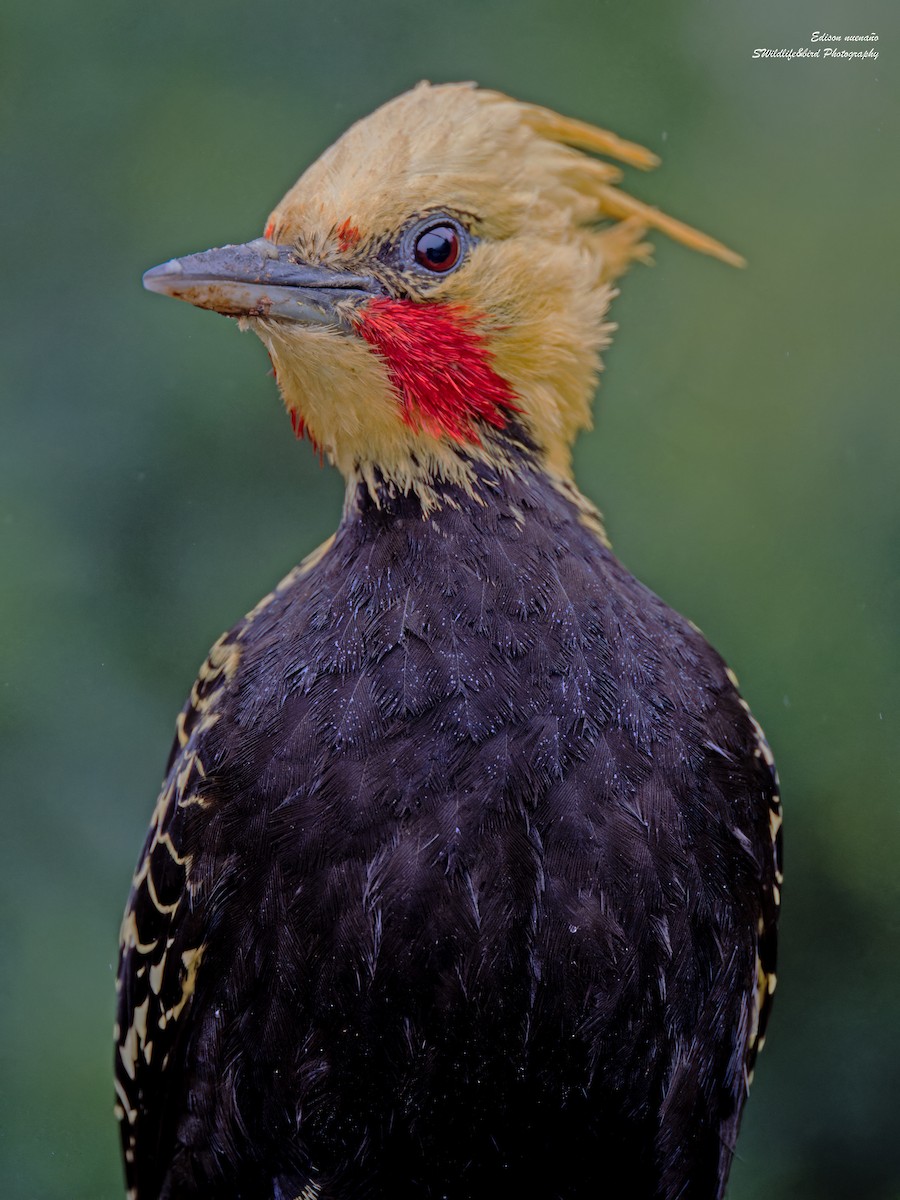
298	424
347	236
440	365
269	229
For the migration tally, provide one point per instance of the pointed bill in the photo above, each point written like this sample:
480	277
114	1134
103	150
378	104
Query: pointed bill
260	279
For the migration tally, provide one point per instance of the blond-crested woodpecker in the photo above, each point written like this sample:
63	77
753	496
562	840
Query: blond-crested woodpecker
464	878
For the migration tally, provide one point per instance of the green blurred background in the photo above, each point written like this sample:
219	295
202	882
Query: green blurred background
151	491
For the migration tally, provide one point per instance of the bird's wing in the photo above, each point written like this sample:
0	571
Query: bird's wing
163	941
756	1003
767	941
163	979
720	1015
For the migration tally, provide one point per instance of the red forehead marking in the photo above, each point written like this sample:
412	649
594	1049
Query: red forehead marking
347	236
440	365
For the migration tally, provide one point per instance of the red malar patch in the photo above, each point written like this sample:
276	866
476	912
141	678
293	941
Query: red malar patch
269	229
298	424
347	236
440	365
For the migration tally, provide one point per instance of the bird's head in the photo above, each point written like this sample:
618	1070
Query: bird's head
433	290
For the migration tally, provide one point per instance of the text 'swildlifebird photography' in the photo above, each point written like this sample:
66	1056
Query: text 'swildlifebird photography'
465	877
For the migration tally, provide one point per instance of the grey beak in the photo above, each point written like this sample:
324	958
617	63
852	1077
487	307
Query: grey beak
260	279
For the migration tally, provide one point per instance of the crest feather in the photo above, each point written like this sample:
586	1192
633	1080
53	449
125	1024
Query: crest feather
583	136
596	178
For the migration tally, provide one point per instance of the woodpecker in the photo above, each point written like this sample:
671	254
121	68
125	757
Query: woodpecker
464	877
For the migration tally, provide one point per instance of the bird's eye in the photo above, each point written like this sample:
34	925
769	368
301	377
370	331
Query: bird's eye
438	249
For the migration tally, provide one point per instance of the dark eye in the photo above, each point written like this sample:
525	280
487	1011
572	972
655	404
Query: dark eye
438	248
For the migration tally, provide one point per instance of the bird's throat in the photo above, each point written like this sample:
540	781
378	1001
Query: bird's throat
408	403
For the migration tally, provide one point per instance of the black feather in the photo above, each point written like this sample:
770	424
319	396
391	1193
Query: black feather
480	862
